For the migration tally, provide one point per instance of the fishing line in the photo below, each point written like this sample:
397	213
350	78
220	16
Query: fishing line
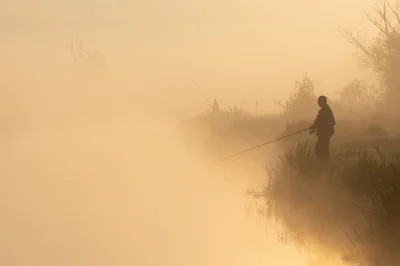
258	146
200	90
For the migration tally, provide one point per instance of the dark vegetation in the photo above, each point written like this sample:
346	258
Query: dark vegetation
351	206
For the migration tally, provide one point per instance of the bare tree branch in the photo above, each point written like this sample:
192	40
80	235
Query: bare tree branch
79	53
73	51
380	27
280	104
349	36
394	11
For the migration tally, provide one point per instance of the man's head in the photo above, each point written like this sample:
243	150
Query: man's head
322	101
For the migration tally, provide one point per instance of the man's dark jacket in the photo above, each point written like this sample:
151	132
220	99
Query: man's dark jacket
324	122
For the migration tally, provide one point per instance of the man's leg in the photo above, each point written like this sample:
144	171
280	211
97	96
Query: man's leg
325	141
326	147
318	148
322	154
322	148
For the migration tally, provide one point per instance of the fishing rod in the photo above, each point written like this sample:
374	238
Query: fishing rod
200	90
258	146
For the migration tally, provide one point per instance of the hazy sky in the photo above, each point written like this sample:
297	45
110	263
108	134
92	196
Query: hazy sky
123	190
237	49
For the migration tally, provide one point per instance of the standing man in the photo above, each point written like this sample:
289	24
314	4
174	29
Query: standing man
215	106
324	127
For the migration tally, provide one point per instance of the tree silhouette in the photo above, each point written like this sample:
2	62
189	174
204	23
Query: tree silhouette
357	97
81	55
382	54
302	101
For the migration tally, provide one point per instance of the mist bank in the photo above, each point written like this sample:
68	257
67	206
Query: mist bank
122	194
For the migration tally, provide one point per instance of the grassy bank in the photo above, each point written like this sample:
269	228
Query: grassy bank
350	206
226	133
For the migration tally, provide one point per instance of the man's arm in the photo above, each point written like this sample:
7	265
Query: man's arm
314	126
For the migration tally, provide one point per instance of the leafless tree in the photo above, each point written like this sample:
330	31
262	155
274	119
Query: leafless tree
359	98
382	54
81	55
301	102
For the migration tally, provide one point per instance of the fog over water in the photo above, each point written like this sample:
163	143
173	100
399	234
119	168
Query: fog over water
92	169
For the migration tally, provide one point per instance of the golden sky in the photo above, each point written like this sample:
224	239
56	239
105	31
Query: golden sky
126	191
237	49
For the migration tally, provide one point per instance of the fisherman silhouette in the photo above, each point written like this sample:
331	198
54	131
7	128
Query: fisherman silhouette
215	106
323	126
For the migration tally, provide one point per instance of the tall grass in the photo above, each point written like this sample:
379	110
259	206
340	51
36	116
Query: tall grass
352	206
